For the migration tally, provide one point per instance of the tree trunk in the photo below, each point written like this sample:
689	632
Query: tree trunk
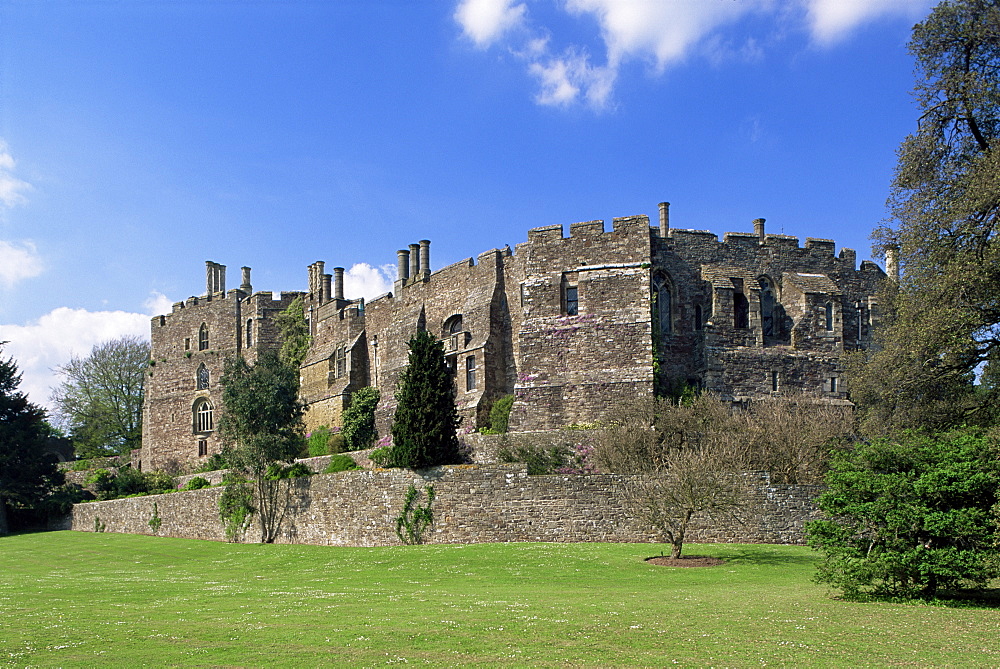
678	542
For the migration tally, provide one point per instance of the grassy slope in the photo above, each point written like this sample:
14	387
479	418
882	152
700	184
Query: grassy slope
84	599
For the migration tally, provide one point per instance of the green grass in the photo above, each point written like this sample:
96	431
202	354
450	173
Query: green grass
84	599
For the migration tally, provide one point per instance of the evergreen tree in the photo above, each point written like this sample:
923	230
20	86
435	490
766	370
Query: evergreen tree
26	474
423	427
943	318
261	424
359	420
295	337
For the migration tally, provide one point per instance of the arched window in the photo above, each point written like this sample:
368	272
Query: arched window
203	337
453	325
829	316
767	307
663	303
203	377
249	333
741	311
203	417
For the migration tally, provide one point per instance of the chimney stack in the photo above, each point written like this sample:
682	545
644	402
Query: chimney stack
414	260
402	265
425	257
338	283
664	218
758	228
325	292
245	286
215	278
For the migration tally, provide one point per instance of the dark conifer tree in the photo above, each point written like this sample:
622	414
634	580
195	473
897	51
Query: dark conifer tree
423	428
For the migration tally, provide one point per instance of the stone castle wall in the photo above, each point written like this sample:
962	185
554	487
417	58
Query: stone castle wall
473	504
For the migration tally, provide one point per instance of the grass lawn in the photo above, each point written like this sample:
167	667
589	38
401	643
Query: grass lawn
84	599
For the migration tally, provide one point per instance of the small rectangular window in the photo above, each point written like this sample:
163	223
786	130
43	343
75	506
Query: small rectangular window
833	384
187	343
202	447
774	382
341	362
572	301
470	373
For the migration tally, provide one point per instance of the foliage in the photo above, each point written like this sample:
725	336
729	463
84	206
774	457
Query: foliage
323	441
942	321
294	330
236	508
128	482
197	483
425	422
540	458
414	519
261	424
500	415
341	463
910	516
276	471
213	463
99	400
27	475
359	420
155	522
683	460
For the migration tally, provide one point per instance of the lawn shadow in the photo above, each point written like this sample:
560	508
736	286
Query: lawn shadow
765	556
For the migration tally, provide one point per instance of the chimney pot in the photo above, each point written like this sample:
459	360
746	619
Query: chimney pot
664	218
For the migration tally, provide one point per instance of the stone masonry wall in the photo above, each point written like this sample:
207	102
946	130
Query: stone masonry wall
473	504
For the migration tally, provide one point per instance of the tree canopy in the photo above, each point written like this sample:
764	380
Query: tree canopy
99	401
294	330
27	475
943	317
423	427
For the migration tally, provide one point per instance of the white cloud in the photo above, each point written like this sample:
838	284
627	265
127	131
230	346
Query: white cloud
832	20
363	280
158	303
18	261
41	346
11	188
660	32
485	21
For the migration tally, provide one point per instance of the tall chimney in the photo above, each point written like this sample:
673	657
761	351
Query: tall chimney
414	260
892	262
246	287
326	288
758	228
425	256
209	277
338	283
402	265
664	218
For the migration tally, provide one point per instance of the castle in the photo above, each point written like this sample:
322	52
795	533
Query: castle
569	325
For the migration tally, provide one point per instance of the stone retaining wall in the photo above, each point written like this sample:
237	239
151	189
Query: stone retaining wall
473	504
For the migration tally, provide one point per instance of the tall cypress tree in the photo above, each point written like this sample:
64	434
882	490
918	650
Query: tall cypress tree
423	428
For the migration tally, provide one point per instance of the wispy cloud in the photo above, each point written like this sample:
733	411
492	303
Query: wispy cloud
658	32
18	261
12	189
40	346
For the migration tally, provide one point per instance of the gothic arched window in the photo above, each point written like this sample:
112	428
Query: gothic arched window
203	417
203	377
203	337
663	303
767	307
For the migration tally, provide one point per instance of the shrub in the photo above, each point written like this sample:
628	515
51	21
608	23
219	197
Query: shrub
359	420
214	463
318	442
197	483
276	471
540	459
341	463
500	415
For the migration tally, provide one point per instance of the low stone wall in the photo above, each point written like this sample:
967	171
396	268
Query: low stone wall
473	504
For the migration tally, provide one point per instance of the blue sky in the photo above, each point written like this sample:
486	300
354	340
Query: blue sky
140	138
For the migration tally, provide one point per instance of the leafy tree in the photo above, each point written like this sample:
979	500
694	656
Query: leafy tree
295	337
910	516
423	427
99	400
944	316
261	424
683	460
359	420
26	474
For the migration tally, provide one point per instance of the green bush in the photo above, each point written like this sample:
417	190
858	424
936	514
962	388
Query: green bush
321	442
341	463
214	463
540	459
128	482
359	420
500	415
197	483
277	471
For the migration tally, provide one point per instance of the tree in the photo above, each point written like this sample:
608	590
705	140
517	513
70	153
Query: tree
27	475
943	318
261	424
359	420
423	427
295	337
99	400
910	516
682	460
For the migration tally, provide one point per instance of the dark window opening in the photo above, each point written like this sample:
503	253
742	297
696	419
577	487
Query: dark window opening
741	311
663	298
203	337
829	316
572	301
774	382
340	362
698	324
203	377
249	333
470	373
767	307
202	447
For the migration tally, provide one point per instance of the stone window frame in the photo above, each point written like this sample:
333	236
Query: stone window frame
187	343
828	313
775	381
249	333
203	414
203	337
203	377
768	312
470	373
832	384
202	448
570	298
339	362
741	311
662	285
